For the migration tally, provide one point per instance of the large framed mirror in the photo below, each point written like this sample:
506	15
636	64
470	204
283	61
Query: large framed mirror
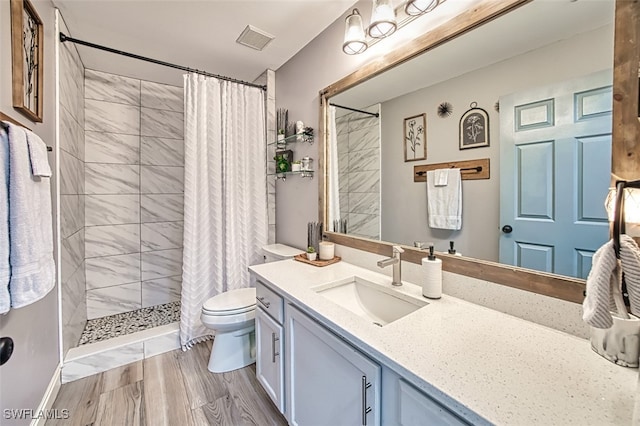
536	68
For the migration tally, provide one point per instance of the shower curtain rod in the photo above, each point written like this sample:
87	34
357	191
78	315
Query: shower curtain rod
375	114
65	38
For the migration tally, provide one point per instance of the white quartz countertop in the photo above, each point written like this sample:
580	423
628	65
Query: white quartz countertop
505	369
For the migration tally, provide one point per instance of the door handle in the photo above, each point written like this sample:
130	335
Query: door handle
6	349
261	300
365	410
274	354
507	229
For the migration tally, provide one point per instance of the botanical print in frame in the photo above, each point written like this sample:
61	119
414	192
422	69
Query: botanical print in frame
27	37
415	138
474	128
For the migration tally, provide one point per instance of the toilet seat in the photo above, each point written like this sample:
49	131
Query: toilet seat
231	302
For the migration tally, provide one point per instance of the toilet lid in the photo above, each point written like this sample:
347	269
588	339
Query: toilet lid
231	302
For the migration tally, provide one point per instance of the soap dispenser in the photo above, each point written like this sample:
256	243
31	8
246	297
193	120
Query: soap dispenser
431	276
452	250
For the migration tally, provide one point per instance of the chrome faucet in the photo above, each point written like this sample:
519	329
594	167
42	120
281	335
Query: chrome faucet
397	265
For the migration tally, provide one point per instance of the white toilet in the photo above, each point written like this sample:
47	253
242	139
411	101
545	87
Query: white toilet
232	316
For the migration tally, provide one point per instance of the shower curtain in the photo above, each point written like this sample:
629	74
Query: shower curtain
225	193
334	183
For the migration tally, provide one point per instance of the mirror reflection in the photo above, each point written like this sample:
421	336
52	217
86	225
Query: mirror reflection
544	85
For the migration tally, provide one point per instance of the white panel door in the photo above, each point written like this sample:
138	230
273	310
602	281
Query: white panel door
555	150
329	381
269	362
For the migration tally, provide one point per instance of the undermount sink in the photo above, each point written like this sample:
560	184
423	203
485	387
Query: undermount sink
381	305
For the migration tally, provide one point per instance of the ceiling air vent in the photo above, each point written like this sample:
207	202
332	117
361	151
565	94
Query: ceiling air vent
254	38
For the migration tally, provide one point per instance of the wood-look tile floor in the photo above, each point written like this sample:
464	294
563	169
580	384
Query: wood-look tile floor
171	389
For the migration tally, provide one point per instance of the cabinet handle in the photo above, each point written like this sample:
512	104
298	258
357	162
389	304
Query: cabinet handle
274	354
261	300
365	410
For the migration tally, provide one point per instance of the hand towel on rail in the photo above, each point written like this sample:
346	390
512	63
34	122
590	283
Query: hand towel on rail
444	203
30	221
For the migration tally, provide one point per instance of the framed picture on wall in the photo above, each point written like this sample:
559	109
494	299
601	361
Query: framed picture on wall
27	37
415	138
474	128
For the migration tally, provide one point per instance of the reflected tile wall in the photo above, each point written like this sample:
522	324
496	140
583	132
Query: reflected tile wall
359	172
72	212
134	179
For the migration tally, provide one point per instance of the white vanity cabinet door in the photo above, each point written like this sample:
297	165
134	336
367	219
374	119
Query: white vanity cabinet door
269	357
416	408
328	381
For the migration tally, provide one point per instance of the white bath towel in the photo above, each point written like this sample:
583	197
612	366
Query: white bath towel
442	177
30	224
444	203
597	306
38	156
5	267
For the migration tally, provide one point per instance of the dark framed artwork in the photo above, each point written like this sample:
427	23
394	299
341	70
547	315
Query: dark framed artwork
474	127
27	51
415	138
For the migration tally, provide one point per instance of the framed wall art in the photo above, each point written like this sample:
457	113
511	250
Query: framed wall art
27	37
415	138
474	127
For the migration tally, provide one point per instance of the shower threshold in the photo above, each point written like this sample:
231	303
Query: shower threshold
104	328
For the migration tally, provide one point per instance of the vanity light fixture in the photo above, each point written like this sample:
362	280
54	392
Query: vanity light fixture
418	7
383	19
355	40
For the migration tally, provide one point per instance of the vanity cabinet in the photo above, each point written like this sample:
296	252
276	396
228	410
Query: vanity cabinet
316	377
329	382
269	345
407	405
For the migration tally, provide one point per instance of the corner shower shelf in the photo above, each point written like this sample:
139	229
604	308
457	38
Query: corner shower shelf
301	173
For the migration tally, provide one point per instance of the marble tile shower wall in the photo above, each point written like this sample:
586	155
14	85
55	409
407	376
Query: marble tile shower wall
134	193
359	172
71	143
269	78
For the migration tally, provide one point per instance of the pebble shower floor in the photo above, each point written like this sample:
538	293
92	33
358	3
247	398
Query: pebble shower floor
104	328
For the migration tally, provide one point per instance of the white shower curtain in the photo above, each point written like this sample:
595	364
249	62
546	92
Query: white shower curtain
334	182
225	193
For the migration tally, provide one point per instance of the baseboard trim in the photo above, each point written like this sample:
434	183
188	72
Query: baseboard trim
48	398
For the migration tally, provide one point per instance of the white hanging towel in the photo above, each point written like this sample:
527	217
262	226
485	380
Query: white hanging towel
5	266
444	202
597	306
30	220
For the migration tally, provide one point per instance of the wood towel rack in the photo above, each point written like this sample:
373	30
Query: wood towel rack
5	117
469	169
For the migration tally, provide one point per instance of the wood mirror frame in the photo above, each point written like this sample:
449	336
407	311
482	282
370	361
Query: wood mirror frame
625	152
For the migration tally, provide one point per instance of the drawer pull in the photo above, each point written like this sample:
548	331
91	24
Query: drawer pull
365	410
261	300
274	354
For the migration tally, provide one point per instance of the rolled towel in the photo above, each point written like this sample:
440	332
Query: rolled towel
599	303
630	259
596	307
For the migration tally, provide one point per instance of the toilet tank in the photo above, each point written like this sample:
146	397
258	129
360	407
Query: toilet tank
275	252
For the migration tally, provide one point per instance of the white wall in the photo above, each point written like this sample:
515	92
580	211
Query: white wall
33	328
298	83
479	236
